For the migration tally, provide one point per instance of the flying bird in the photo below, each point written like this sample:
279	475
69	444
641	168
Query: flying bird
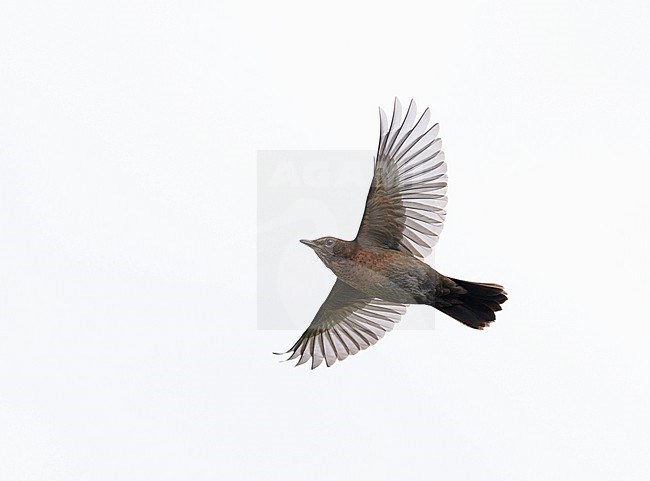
381	271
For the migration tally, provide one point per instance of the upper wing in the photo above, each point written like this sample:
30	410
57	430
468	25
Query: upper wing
347	322
405	205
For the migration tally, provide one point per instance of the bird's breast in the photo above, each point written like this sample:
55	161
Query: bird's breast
385	274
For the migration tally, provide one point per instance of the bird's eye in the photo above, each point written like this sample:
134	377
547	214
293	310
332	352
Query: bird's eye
329	242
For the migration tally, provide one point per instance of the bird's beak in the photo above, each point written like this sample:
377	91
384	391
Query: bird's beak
309	243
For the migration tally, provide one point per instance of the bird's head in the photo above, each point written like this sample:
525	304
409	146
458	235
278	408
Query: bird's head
328	249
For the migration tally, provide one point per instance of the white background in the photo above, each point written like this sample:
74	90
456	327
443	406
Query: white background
128	340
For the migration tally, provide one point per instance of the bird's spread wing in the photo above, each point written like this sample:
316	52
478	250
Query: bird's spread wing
347	322
405	205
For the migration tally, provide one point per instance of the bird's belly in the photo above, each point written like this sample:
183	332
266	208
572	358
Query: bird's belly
391	291
391	284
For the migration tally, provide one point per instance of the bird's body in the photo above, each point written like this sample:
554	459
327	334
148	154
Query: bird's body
384	273
381	271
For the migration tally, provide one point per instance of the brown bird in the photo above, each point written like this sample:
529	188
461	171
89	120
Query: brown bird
380	271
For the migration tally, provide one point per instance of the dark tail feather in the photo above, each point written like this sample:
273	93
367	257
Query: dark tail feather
472	303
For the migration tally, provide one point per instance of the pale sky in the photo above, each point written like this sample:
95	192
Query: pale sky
129	138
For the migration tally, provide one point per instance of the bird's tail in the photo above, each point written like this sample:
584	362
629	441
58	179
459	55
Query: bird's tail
472	303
